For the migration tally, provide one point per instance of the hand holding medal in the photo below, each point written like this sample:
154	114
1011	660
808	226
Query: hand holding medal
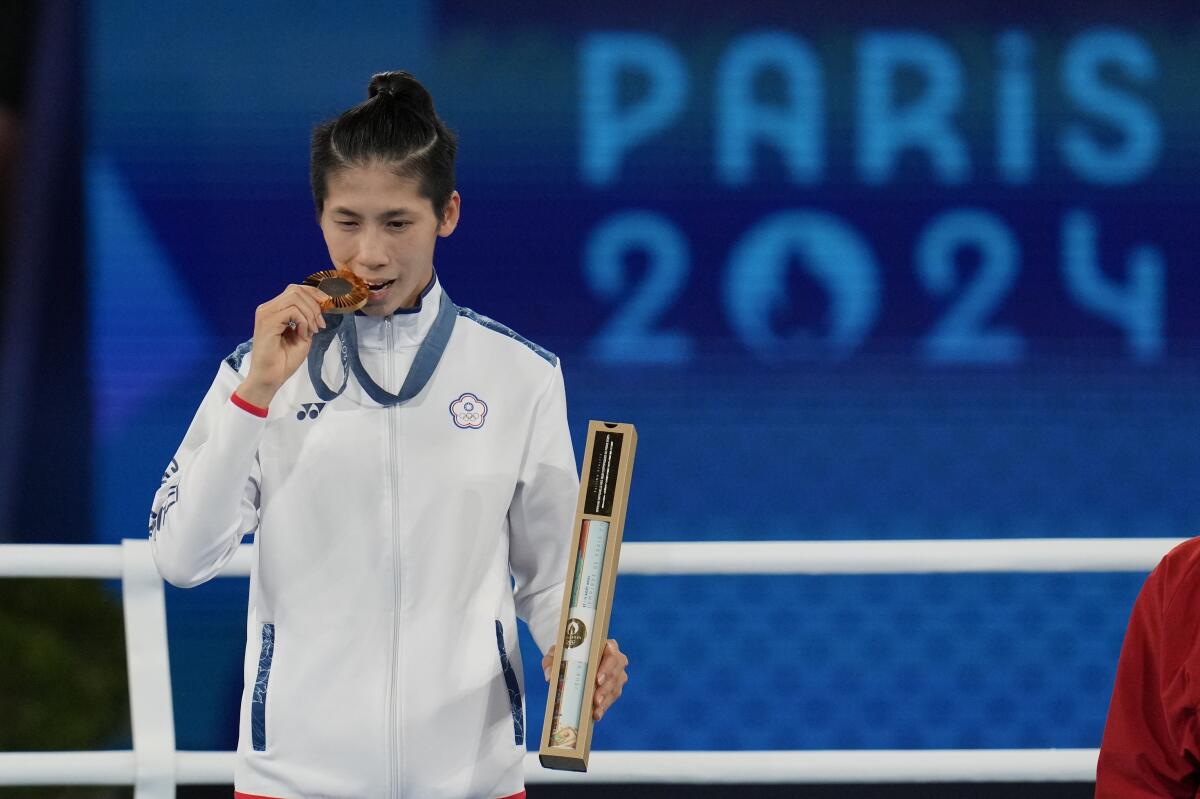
284	327
345	292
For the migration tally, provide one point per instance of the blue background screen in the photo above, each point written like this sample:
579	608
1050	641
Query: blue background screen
855	271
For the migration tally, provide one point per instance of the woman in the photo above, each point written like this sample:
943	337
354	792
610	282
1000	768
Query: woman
398	532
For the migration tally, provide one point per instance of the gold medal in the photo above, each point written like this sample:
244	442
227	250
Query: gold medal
347	292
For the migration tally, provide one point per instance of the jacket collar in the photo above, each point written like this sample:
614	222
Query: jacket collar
408	326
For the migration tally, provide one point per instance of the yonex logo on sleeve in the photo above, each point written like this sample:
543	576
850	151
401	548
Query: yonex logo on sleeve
310	410
468	412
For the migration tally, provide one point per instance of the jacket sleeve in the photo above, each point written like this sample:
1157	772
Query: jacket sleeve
209	496
1151	745
541	514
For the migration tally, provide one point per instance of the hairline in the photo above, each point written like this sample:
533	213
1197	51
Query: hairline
398	166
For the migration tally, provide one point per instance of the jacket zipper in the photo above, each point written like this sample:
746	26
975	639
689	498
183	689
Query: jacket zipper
393	687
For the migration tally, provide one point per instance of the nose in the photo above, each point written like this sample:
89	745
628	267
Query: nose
371	254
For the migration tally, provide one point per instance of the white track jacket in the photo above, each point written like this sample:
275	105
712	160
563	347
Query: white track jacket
394	547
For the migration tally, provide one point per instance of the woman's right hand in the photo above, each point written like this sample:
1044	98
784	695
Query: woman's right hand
279	348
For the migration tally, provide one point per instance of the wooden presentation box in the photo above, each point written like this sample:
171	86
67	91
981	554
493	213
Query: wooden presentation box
588	594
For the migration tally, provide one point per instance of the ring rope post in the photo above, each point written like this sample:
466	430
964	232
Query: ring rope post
149	668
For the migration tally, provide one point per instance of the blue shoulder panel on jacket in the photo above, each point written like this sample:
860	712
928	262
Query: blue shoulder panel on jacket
234	358
493	325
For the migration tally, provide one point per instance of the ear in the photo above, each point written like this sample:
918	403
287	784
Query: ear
450	215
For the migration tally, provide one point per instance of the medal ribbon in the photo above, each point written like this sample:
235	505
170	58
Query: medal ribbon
428	356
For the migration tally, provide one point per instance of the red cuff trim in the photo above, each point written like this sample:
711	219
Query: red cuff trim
247	407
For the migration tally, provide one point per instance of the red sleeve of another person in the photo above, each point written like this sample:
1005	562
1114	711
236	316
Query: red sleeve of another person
1151	744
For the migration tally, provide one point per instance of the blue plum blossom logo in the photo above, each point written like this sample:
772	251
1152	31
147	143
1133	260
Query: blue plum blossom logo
468	411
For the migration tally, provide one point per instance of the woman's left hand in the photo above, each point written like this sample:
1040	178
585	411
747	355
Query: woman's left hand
610	678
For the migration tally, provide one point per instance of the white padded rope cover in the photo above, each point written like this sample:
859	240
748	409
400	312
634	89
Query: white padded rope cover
154	768
866	766
731	557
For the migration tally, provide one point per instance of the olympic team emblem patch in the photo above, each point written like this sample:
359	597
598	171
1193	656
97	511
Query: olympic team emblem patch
468	412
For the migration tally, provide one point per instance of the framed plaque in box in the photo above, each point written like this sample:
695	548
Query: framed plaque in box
588	594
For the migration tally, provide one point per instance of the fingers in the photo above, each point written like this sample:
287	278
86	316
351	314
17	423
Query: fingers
297	307
292	317
306	299
604	699
309	296
610	679
612	663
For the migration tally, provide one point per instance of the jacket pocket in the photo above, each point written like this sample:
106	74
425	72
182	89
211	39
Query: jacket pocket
514	688
258	706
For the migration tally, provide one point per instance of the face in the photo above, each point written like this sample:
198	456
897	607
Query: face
378	226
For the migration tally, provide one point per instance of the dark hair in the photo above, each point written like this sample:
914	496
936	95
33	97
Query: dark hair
397	125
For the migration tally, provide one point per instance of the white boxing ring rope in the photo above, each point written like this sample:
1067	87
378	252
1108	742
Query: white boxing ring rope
155	768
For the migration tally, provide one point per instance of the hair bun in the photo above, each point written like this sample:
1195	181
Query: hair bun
402	85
